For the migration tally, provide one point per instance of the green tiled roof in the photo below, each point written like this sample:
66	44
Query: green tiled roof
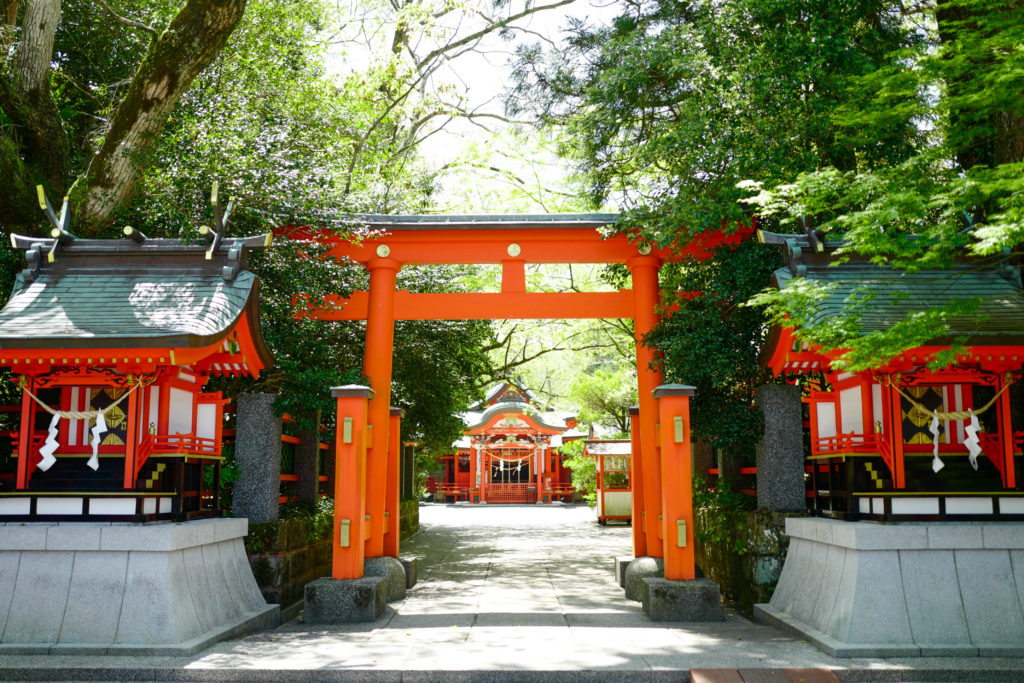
156	308
897	294
113	293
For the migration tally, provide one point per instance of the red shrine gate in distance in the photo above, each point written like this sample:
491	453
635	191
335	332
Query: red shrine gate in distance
367	490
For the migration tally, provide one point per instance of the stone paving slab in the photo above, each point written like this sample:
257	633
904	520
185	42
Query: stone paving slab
507	594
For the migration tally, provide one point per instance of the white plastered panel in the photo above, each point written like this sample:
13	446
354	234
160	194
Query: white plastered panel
179	421
876	404
206	421
851	411
154	407
74	425
826	419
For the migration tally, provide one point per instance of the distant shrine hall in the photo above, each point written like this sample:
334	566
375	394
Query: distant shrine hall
510	451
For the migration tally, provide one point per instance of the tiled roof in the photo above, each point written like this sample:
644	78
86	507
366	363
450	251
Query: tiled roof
894	294
475	420
116	293
159	307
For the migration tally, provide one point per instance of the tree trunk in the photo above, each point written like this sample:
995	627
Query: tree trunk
191	42
981	137
25	97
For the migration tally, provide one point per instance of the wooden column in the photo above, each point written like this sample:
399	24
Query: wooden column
392	535
644	271
377	363
1006	432
131	441
676	478
348	549
899	475
25	434
636	484
471	486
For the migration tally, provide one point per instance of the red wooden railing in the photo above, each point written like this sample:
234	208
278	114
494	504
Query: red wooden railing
455	490
287	477
847	443
511	493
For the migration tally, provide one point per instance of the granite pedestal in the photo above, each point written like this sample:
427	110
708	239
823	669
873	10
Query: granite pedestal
621	565
258	457
780	452
411	566
863	589
343	601
108	588
668	600
637	570
392	571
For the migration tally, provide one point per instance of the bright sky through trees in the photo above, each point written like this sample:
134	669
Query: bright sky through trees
481	162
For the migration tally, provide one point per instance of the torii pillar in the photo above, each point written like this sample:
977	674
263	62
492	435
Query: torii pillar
377	365
646	528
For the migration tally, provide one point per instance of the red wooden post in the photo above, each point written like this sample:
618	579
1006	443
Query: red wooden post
471	488
899	475
677	463
377	362
25	431
1006	432
644	270
392	496
636	484
350	481
131	440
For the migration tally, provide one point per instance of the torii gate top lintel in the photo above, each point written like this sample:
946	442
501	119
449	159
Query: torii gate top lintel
493	239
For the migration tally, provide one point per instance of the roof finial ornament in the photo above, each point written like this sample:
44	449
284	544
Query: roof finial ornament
221	218
59	231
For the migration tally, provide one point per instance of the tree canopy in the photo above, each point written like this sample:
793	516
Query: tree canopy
673	104
957	190
254	108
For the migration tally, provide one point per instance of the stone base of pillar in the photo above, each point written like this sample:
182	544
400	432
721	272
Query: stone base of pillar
345	601
621	564
667	600
411	565
392	571
639	569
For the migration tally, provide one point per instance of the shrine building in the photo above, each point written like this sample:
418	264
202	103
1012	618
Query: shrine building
510	451
929	449
111	343
905	440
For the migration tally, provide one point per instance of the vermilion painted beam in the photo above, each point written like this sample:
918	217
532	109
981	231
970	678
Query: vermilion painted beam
486	306
550	245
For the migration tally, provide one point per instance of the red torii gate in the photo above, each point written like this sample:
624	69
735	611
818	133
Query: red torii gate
366	466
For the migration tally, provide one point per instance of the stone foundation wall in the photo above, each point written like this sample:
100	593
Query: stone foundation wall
110	588
285	556
862	589
744	553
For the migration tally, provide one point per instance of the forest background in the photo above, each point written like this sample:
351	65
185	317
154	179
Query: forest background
897	126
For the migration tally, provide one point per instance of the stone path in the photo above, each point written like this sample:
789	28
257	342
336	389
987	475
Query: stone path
509	593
